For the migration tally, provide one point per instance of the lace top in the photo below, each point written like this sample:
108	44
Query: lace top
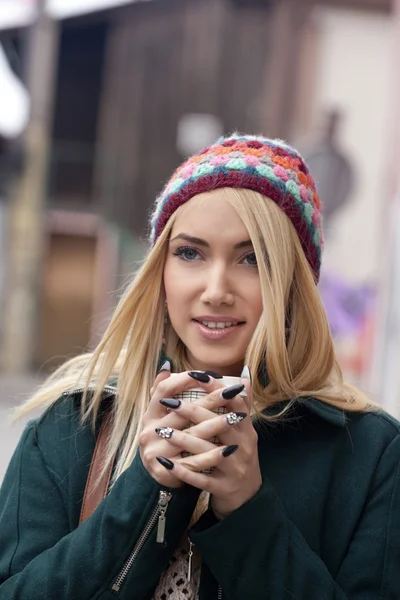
173	584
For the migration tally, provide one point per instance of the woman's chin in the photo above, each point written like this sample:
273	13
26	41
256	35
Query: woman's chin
229	365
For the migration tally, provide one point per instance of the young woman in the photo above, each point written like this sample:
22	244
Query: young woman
302	495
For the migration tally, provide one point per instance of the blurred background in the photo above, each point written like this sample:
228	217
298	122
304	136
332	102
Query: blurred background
101	99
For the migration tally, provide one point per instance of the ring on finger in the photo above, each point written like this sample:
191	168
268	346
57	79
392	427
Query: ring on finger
165	432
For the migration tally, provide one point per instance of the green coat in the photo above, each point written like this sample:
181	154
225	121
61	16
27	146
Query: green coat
325	525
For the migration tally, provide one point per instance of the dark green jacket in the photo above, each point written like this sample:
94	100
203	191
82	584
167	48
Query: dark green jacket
324	525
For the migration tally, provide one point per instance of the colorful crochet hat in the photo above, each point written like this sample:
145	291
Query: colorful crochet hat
270	167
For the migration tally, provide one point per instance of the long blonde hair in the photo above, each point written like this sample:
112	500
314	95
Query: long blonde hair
292	343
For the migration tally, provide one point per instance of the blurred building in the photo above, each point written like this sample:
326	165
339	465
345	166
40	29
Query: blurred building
128	76
356	76
385	373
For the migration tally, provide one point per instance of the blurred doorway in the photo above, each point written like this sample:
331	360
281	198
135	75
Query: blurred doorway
67	298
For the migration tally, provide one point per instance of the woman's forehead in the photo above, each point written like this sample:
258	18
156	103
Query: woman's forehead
207	212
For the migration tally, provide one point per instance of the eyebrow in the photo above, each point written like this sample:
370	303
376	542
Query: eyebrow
200	242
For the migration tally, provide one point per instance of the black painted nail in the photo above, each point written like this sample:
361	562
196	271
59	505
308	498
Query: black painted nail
233	418
164	432
166	366
213	374
170	402
232	391
165	462
229	450
202	377
241	415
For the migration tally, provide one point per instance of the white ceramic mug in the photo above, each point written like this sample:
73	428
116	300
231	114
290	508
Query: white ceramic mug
197	392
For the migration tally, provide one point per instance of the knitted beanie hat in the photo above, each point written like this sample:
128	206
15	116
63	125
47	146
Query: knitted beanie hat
270	167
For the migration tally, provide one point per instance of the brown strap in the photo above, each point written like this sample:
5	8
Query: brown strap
97	486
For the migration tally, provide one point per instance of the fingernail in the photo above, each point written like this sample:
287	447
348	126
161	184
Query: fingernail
246	373
170	402
213	374
232	391
229	450
202	377
165	462
234	418
165	432
166	366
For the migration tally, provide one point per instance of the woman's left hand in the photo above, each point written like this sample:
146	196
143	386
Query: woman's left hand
237	476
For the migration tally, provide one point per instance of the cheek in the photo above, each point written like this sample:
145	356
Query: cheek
254	299
258	307
171	282
175	288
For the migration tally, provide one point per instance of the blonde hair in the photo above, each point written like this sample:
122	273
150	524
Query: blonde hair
292	342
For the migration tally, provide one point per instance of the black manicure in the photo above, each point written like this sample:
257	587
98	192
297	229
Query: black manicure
164	432
241	415
202	377
165	462
232	391
170	402
213	374
229	450
233	418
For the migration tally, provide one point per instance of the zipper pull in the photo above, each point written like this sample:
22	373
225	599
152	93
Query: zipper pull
163	502
189	577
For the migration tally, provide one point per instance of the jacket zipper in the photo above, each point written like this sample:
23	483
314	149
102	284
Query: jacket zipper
190	557
108	389
189	576
158	513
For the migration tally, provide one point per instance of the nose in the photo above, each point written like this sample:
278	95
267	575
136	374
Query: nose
217	288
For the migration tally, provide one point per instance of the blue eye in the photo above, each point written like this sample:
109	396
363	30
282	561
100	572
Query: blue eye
186	253
251	258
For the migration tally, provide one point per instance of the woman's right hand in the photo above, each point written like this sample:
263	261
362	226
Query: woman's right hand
157	416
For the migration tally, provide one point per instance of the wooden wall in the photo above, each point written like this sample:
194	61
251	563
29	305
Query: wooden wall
166	59
76	107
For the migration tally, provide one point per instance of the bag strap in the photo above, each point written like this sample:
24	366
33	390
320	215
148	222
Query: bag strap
97	486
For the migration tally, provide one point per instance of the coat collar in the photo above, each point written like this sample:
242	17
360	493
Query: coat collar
331	414
326	412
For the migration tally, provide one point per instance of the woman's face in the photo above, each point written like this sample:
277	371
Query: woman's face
212	284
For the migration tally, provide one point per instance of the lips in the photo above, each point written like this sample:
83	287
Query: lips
215	333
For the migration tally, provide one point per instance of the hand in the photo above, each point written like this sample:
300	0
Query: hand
157	416
237	477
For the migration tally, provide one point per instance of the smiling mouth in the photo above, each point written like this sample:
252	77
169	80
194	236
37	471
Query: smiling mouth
220	324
